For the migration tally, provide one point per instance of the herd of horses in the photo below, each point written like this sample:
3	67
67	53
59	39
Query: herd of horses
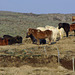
37	35
9	40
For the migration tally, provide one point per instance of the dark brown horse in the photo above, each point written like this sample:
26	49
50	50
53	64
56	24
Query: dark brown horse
65	26
13	40
38	34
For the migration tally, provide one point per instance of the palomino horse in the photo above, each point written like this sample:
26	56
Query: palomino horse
38	34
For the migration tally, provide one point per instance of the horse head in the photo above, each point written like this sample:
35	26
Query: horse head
60	25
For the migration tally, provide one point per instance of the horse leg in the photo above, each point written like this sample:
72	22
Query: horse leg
66	34
49	41
61	35
38	41
34	41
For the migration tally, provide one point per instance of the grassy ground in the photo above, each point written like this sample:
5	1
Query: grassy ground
32	59
17	23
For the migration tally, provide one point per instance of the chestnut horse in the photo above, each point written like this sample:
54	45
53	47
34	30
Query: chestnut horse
3	41
38	34
34	41
72	27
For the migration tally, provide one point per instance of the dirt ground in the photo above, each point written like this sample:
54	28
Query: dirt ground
32	59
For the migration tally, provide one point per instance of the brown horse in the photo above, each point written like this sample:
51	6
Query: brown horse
72	27
38	34
3	41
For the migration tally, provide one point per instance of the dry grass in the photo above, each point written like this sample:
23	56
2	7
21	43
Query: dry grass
31	59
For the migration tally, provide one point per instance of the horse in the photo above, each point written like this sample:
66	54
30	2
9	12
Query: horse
18	39
3	41
34	41
72	27
38	34
65	26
